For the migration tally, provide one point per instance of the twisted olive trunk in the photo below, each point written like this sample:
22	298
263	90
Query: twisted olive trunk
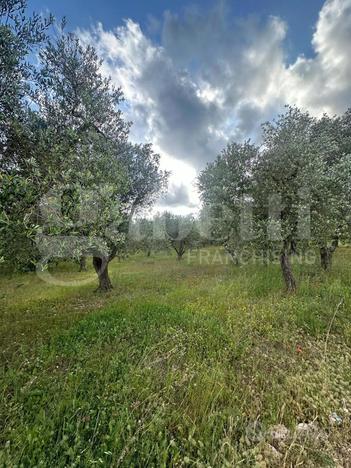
326	258
101	268
179	247
287	273
326	254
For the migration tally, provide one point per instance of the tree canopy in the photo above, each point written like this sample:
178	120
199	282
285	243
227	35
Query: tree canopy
290	193
70	178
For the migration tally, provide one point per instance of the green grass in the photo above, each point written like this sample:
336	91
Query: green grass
182	364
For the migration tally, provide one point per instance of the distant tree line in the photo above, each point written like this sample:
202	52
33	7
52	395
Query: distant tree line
164	232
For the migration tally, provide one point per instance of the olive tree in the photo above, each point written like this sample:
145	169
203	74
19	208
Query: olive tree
331	208
141	235
181	232
226	190
109	178
290	181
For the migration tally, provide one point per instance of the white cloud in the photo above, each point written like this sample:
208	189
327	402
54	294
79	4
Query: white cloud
213	79
323	84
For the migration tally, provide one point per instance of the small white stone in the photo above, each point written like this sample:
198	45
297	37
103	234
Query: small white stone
304	428
309	430
279	433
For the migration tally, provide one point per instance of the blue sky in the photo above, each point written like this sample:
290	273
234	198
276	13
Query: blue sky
197	75
301	15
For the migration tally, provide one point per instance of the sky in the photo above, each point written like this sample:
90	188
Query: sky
199	74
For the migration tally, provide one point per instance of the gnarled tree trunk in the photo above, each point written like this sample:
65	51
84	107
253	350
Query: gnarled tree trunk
326	254
179	247
326	258
101	268
286	269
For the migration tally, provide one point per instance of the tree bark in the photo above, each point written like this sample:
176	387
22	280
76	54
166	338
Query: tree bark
326	258
179	247
82	263
287	271
326	254
181	250
101	268
233	255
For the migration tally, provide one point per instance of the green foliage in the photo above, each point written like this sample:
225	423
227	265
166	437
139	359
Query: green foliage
83	179
180	231
226	186
17	230
291	193
19	34
142	236
331	210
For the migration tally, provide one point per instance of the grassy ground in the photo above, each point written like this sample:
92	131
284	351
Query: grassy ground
182	364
